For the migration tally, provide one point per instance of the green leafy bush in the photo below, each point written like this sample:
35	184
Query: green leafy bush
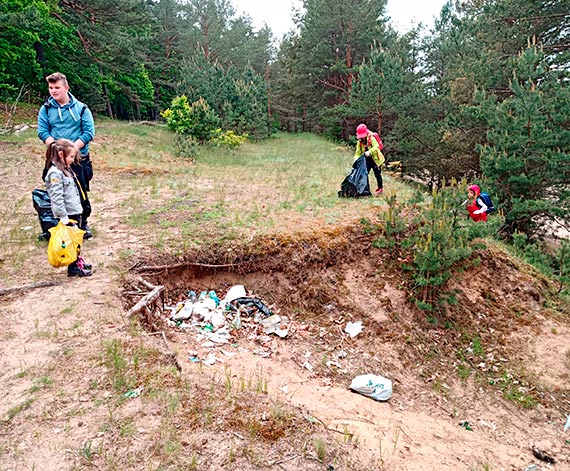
227	139
178	115
197	120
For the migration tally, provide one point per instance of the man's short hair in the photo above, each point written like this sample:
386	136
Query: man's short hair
56	77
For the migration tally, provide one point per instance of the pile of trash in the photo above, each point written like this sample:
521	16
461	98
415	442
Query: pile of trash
216	318
215	321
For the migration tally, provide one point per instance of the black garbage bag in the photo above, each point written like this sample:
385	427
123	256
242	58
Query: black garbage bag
42	205
356	183
251	305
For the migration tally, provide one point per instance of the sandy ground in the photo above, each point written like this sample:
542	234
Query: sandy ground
54	400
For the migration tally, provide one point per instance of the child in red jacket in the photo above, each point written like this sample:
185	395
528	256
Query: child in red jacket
475	205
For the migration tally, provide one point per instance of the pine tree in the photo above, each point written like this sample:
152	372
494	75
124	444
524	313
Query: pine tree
527	158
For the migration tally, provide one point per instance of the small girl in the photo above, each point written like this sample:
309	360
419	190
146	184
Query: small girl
475	205
64	192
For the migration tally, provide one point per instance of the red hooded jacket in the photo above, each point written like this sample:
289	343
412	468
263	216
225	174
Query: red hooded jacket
473	207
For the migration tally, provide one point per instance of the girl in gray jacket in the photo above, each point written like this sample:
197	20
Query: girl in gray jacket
63	190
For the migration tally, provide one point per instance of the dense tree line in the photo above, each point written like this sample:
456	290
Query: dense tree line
130	58
484	94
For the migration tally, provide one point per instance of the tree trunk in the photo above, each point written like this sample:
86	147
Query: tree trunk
108	102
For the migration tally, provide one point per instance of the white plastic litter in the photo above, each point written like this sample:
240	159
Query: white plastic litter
567	426
210	359
353	328
375	386
271	326
220	337
217	319
204	308
237	291
307	365
184	313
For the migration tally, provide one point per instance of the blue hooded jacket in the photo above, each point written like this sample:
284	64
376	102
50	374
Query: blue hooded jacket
71	121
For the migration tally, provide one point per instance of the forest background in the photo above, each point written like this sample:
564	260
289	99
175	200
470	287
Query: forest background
482	96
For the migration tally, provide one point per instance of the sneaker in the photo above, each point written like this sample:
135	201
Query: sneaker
81	264
88	234
79	268
76	271
378	191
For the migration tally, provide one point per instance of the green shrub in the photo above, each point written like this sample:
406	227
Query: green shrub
197	120
437	244
178	115
227	139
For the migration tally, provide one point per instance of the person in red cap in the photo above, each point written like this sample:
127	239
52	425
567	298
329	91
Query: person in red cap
475	205
369	145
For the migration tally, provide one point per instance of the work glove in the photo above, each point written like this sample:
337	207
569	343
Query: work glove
367	153
479	211
64	220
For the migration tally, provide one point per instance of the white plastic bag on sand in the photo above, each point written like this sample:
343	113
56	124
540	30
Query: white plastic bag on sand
237	291
353	328
374	386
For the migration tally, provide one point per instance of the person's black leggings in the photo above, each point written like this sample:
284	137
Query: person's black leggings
370	164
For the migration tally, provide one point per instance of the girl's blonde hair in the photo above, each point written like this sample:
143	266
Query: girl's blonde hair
53	157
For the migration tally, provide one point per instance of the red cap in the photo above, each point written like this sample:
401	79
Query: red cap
361	131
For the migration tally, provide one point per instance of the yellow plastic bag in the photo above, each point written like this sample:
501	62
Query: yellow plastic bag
63	243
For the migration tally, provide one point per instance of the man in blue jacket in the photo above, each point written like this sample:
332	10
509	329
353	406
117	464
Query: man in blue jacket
63	116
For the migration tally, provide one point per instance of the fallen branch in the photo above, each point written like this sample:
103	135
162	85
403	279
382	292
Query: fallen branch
142	281
41	284
146	301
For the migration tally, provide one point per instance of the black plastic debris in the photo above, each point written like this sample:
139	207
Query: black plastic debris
542	456
251	305
42	205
